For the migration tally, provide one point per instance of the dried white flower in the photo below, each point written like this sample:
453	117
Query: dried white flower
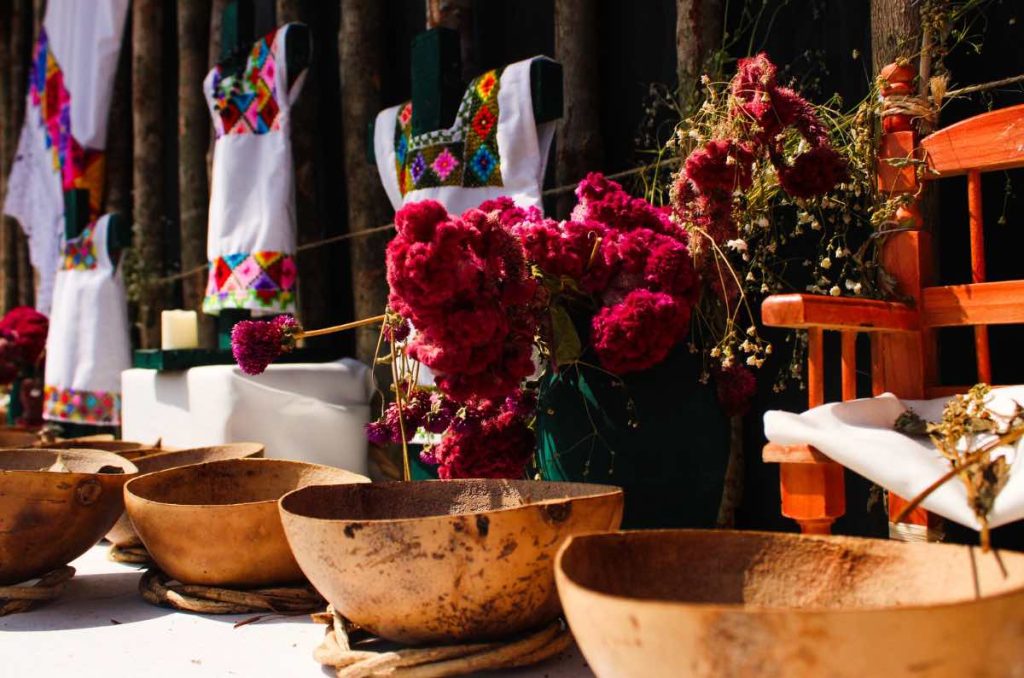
835	291
737	245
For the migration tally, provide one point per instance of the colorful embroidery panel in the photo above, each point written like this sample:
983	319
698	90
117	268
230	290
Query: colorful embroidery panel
247	104
79	167
465	155
261	280
80	254
81	407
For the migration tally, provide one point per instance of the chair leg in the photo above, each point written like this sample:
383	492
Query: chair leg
814	495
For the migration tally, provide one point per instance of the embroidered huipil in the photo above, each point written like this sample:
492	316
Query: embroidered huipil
88	345
65	131
251	243
495	148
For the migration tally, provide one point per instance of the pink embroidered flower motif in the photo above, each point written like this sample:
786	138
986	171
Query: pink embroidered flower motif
444	164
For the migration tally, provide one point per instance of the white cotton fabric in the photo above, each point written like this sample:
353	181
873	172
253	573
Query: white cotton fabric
522	147
859	435
85	39
88	345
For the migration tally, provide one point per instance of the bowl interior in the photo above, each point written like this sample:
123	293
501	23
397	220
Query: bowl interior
397	500
784	571
75	461
234	481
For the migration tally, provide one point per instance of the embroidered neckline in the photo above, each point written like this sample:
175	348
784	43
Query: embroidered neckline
246	103
80	254
465	155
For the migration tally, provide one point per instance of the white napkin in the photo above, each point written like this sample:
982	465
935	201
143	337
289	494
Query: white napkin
859	435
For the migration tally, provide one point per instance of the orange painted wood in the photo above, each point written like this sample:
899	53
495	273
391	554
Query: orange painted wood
898	146
815	367
986	142
803	311
916	517
814	495
991	303
977	226
849	364
792	454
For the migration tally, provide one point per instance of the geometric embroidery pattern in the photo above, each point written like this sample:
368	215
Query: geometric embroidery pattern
80	254
81	407
465	155
247	103
79	168
258	279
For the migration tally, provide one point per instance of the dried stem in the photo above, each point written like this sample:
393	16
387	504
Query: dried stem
341	328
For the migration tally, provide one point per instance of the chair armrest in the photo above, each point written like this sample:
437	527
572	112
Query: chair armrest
803	311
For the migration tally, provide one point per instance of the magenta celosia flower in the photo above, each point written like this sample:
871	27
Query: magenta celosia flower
813	173
464	283
26	328
721	165
257	343
736	387
639	332
491	441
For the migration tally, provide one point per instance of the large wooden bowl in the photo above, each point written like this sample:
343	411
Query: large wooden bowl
126	448
123	534
442	561
217	523
11	438
49	518
702	603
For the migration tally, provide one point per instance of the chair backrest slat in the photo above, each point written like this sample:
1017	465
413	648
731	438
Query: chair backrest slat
987	142
991	303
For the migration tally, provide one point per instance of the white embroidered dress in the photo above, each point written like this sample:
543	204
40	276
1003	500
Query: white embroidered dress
495	148
88	345
252	232
65	130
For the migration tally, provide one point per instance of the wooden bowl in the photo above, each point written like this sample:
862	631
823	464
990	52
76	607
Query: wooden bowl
11	438
126	448
49	518
703	603
444	561
217	523
123	534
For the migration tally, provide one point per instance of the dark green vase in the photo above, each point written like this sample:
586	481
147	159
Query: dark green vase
658	434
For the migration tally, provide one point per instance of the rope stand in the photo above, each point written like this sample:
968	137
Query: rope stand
373	657
161	590
21	598
132	553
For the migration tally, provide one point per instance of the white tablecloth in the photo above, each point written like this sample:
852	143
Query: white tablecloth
101	627
302	411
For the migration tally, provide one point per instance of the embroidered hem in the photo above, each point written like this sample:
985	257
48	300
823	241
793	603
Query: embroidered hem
257	281
102	408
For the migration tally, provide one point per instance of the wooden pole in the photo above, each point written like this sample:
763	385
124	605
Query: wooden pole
895	31
698	35
359	51
579	147
21	54
193	143
147	164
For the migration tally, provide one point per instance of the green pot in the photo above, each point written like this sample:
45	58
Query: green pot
658	434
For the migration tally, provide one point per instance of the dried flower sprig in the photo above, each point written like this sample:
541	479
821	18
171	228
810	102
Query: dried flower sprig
967	436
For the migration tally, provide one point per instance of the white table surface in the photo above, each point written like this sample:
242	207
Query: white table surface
101	627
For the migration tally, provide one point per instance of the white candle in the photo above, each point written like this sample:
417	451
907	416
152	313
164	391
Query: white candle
179	329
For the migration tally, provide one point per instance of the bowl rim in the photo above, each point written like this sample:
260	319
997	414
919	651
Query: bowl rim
254	447
562	578
600	491
130	470
130	494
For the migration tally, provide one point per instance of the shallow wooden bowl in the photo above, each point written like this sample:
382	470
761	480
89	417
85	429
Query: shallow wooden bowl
123	534
703	603
217	523
442	561
49	518
14	438
126	448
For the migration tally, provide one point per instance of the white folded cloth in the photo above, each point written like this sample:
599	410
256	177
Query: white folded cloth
859	434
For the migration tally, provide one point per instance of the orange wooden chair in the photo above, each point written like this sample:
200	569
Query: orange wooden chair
903	350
